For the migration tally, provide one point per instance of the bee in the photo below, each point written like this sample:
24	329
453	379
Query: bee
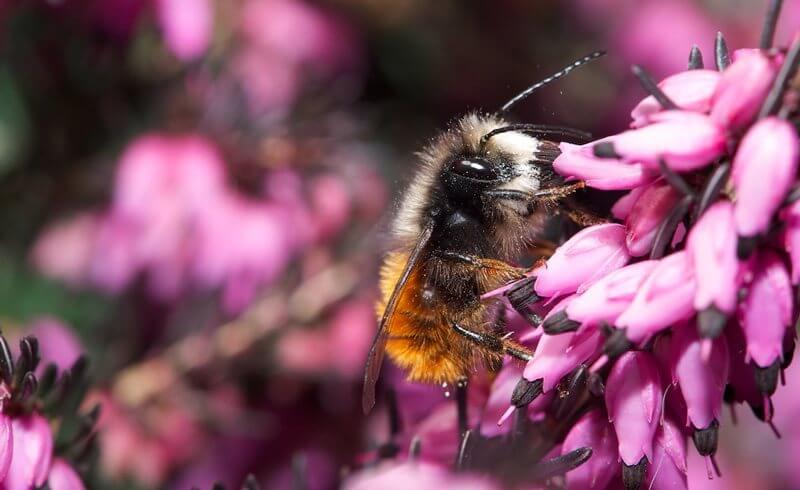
469	212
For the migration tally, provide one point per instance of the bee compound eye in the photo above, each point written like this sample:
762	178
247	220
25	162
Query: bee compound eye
474	168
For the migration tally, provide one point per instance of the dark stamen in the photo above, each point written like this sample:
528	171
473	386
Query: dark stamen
596	386
651	88
770	21
721	55
729	395
461	404
561	464
605	149
745	246
710	322
567	402
712	189
633	476
767	378
793	196
522	294
789	67
250	483
526	391
559	323
676	181
695	58
520	426
706	440
47	380
6	361
415	448
464	450
617	343
667	229
395	425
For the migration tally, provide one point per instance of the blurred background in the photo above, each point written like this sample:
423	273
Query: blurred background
195	193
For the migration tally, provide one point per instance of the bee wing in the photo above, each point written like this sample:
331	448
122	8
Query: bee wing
376	351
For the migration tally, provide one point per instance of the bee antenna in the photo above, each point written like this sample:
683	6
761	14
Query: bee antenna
525	93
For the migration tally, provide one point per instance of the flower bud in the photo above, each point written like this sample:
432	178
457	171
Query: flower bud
684	140
646	216
606	299
669	452
764	169
6	445
741	90
592	430
791	237
665	297
766	312
701	377
576	162
583	259
690	90
633	400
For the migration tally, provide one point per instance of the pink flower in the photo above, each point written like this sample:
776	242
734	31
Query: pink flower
741	90
669	469
622	208
63	477
57	342
497	409
701	377
6	445
684	140
187	26
633	399
594	431
646	215
416	475
766	312
576	162
791	237
763	170
712	250
65	249
583	259
32	442
665	297
690	90
606	299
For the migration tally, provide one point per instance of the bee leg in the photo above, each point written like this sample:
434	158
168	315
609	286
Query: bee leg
495	343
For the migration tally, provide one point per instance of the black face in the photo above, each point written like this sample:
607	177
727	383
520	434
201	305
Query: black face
474	168
465	178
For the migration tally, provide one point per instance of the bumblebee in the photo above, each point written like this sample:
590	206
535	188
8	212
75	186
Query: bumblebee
480	193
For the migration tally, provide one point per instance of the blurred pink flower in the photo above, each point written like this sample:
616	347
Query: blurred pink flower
57	342
416	475
63	477
65	250
187	26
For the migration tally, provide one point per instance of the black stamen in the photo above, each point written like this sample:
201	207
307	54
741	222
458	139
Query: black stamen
651	88
415	448
789	67
793	196
667	229
47	380
712	189
617	343
695	58
596	386
559	323
605	149
705	440
395	425
633	476
788	349
525	93
568	399
520	426
526	391
561	464
770	21
729	395
710	322
721	55
522	294
464	450
767	378
6	361
461	404
676	181
745	246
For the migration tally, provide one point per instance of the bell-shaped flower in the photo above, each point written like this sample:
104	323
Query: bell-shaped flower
557	355
577	162
606	299
766	312
669	453
764	169
63	477
583	259
690	90
712	250
646	215
592	430
791	237
742	89
622	208
665	297
701	377
6	444
633	400
684	140
497	405
32	441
